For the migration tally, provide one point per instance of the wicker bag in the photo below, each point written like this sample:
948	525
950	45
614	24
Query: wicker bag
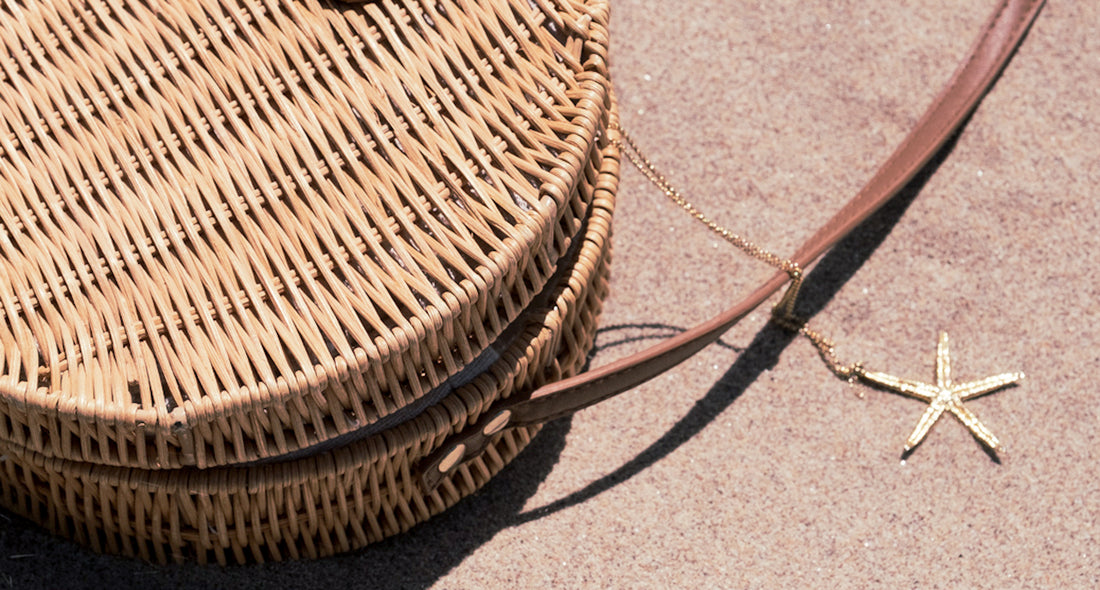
280	278
260	257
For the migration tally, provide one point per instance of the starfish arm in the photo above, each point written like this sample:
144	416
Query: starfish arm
943	362
924	425
904	386
975	426
988	385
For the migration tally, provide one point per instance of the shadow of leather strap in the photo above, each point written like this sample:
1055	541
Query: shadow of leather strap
972	79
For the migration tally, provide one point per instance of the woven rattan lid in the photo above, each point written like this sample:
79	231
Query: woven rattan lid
233	230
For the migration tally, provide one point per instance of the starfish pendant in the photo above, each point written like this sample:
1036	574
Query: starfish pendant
944	395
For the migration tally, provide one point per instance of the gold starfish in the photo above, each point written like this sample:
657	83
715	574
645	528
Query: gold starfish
944	395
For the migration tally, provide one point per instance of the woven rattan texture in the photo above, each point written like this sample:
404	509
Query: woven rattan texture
232	230
239	235
334	501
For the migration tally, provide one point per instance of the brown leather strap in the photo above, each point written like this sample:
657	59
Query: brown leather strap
1000	36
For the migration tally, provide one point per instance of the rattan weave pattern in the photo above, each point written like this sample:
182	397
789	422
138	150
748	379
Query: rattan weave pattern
336	500
233	229
259	258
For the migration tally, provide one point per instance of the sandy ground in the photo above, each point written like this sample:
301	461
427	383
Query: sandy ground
752	466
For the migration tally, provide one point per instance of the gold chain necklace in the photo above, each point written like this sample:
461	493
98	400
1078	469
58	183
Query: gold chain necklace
942	396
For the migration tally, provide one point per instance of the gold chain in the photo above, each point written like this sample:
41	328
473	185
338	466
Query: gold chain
642	163
783	313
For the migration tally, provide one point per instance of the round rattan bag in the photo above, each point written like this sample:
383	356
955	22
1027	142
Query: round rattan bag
259	258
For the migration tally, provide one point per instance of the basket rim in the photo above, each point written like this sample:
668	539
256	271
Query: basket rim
594	244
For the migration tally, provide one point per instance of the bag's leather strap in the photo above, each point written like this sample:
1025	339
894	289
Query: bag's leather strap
1000	36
